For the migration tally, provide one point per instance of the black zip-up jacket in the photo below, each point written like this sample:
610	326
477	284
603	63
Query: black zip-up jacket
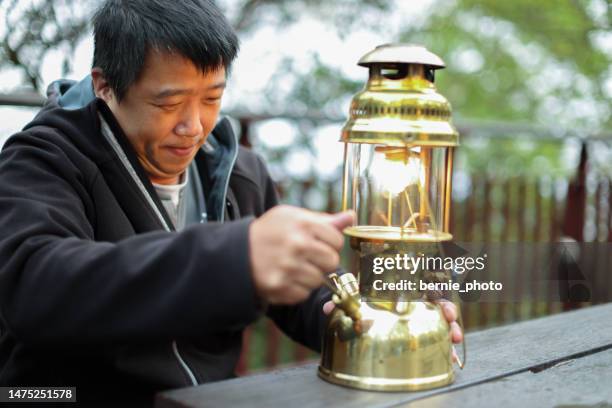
94	293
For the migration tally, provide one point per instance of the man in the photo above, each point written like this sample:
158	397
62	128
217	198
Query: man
130	258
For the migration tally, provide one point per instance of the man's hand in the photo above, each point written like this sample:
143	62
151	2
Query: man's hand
291	249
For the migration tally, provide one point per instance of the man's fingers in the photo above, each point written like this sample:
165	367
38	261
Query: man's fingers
328	307
328	227
322	256
342	220
308	276
330	230
449	309
327	233
456	333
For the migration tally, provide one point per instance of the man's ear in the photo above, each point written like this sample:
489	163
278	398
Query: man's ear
101	87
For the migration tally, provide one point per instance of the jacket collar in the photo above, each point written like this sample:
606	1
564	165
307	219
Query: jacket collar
126	162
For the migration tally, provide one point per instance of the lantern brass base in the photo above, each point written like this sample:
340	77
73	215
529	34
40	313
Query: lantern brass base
396	346
386	384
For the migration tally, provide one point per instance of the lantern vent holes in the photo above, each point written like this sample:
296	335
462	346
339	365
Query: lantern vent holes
412	111
430	74
394	73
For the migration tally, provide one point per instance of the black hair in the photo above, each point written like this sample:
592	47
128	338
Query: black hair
126	30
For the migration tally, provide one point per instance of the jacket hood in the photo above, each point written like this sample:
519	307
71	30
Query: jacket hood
70	94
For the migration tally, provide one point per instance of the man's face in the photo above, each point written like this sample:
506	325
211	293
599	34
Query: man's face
167	113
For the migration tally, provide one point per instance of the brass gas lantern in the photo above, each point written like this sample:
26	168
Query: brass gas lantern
398	157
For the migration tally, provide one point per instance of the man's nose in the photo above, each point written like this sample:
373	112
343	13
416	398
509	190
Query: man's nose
190	124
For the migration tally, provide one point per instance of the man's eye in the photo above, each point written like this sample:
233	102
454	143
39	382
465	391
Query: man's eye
168	106
212	100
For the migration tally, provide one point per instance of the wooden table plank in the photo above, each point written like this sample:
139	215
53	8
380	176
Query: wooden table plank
585	381
492	354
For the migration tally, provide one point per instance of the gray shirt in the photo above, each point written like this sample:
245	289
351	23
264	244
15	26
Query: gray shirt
184	202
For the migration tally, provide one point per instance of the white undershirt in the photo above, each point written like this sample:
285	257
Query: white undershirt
171	196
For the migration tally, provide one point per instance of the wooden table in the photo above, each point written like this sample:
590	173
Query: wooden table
557	361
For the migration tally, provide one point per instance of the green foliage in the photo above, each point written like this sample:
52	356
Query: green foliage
563	28
536	62
519	43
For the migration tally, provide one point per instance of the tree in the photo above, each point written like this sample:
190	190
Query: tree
33	28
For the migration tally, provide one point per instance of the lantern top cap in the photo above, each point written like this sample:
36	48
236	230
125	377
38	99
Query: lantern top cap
401	54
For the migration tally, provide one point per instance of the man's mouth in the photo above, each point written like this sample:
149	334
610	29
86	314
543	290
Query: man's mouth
181	150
